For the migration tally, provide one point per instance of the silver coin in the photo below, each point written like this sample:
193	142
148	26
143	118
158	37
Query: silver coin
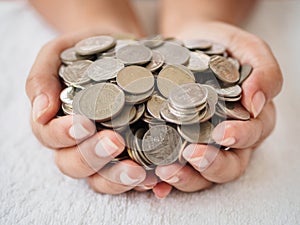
197	133
123	119
174	54
170	77
230	99
169	117
198	62
135	79
152	42
182	160
157	61
134	55
234	110
123	43
134	99
229	92
154	105
93	45
161	145
67	109
75	73
140	109
67	95
246	70
212	96
197	44
224	70
104	69
68	56
187	96
61	70
101	102
216	49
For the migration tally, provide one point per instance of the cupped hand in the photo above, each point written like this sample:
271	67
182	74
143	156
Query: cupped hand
208	164
80	151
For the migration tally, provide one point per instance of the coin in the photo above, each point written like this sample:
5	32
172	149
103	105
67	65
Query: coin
69	55
197	44
170	77
174	54
93	45
246	70
154	105
140	109
197	133
161	145
67	95
198	62
75	73
152	42
216	49
104	69
235	62
123	119
188	96
134	54
101	102
182	160
224	70
134	99
67	109
229	92
234	110
156	62
135	79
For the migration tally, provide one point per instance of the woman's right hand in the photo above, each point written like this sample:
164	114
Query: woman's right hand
80	151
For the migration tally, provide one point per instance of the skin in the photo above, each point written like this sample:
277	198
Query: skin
75	155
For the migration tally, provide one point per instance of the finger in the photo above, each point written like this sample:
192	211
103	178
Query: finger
150	181
217	165
266	79
183	178
43	86
118	178
162	190
64	131
244	134
91	155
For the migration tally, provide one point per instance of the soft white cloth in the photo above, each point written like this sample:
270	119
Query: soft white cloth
33	191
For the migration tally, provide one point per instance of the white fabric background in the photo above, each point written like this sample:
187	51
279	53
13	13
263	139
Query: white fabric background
33	191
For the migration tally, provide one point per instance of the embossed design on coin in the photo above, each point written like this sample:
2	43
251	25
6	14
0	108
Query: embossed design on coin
94	45
134	54
161	144
101	102
224	69
75	73
104	69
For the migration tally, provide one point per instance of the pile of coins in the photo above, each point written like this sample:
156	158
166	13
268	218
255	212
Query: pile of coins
160	94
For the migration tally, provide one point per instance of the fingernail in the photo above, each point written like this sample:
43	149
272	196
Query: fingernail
127	180
201	163
188	152
219	133
146	188
77	131
105	148
39	106
258	102
172	180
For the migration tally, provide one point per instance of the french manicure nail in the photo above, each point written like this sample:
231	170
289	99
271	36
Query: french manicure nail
127	180
105	147
201	163
258	102
77	131
228	141
172	180
39	106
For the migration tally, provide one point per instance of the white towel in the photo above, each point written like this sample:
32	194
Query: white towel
33	191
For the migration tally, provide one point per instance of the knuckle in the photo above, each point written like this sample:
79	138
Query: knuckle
60	163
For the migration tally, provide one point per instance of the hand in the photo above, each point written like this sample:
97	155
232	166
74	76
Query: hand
80	151
208	164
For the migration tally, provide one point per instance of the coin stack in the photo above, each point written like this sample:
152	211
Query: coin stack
160	94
